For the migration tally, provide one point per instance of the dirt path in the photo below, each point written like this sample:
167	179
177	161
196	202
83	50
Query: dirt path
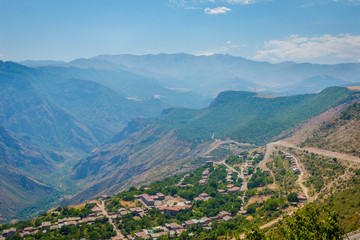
300	179
103	210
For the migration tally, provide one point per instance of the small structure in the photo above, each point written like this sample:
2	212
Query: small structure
141	235
9	232
234	189
189	223
221	191
173	226
302	198
148	200
45	225
227	218
224	213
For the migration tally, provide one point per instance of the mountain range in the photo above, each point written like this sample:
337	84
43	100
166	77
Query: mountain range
91	126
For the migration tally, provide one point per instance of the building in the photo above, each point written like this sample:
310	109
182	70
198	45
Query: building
45	225
224	213
173	226
302	198
234	189
148	200
222	191
172	210
161	196
189	223
9	232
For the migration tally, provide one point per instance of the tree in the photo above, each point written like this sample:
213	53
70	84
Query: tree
312	222
251	209
293	197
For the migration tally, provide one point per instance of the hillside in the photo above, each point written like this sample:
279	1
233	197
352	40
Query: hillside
47	123
22	193
178	135
339	134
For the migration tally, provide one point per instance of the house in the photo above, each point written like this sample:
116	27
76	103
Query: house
117	238
105	196
45	225
159	234
173	226
9	232
52	228
230	186
141	235
148	200
204	195
28	229
172	210
242	212
202	181
302	198
222	191
224	213
91	202
161	196
189	223
227	218
234	189
96	210
206	172
130	237
71	223
22	234
89	220
206	220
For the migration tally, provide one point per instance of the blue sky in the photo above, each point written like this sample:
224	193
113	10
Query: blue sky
321	31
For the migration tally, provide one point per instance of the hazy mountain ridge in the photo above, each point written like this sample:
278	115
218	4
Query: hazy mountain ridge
201	73
209	75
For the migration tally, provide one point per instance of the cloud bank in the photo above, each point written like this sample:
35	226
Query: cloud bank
296	47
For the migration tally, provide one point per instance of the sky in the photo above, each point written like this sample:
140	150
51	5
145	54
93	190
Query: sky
321	31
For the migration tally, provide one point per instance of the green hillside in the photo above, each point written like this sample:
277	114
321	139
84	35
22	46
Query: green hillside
248	117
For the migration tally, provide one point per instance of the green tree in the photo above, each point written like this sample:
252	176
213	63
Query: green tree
293	197
312	222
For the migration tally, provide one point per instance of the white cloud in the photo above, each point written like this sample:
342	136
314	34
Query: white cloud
243	2
218	10
296	47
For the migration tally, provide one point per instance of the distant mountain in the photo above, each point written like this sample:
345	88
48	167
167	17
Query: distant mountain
129	83
154	148
203	73
210	75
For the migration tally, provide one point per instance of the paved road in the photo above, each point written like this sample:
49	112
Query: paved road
103	209
323	152
353	237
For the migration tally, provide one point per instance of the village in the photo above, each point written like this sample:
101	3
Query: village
235	184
